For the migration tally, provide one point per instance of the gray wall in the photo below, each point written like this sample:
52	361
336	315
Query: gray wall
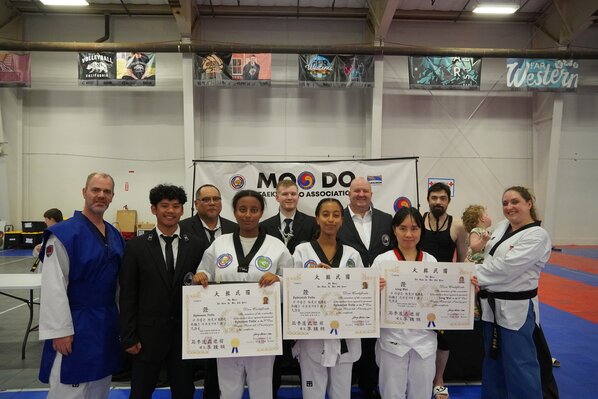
58	132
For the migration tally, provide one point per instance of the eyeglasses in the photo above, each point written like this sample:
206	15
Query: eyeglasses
207	200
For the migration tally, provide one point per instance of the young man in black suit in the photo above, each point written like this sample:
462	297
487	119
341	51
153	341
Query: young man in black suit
152	275
369	231
207	223
289	225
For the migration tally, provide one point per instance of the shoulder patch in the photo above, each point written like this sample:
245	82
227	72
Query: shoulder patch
49	250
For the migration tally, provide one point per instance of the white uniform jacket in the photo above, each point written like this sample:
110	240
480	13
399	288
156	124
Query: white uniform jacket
55	315
220	262
400	341
514	267
327	351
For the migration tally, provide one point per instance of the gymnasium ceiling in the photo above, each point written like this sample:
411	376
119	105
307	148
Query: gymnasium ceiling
561	20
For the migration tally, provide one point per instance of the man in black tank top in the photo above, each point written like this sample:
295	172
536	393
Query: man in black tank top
442	236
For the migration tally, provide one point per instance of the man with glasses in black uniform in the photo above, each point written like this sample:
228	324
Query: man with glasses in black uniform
207	224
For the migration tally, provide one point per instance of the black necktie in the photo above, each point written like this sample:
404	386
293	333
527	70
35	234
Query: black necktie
169	254
212	234
287	226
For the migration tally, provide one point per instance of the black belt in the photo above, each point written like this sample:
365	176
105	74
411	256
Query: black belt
509	296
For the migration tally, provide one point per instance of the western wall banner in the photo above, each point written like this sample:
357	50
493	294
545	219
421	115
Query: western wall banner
117	69
394	181
15	70
542	74
327	70
457	73
232	69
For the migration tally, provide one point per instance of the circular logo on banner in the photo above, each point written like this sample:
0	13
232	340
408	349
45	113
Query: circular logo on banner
237	182
224	260
401	202
350	263
310	264
306	180
263	263
212	64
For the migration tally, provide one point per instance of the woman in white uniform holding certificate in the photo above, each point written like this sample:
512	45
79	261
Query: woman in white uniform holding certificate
250	255
406	357
515	255
326	363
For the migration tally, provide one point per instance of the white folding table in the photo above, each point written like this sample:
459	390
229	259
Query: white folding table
22	281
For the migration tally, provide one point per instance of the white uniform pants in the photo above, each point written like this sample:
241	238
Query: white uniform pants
317	380
98	389
232	373
408	375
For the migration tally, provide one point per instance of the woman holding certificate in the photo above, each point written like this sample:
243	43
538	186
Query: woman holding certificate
515	255
406	357
326	364
248	255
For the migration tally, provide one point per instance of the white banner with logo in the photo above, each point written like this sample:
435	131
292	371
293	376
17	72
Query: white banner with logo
394	181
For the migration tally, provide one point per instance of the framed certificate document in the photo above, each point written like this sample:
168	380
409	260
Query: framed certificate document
231	320
436	296
331	303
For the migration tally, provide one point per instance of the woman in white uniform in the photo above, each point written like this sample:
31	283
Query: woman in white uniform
247	256
326	364
407	358
514	257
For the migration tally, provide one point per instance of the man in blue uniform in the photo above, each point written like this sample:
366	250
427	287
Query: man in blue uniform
78	314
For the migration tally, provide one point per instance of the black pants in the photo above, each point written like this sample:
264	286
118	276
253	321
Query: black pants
144	376
211	389
366	369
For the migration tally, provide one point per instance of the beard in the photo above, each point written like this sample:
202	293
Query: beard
437	211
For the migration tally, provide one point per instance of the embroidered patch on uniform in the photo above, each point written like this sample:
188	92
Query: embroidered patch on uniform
350	263
310	264
309	384
224	260
49	250
263	263
385	240
75	385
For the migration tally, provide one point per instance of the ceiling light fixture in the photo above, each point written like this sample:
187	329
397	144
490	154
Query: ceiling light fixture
65	3
494	7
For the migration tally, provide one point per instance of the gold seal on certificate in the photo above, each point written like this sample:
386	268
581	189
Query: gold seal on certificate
331	303
436	296
231	320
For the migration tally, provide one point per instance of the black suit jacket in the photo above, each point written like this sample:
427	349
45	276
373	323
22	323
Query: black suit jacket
382	238
192	225
150	304
304	228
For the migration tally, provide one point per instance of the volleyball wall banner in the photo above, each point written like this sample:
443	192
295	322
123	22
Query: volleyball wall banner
117	69
542	74
394	181
328	70
15	70
456	73
232	69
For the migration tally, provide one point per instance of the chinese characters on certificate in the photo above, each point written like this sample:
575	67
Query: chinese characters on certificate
331	303
437	296
231	320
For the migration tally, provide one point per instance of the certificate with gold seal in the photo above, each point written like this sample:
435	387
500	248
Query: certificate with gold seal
422	295
231	320
331	303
